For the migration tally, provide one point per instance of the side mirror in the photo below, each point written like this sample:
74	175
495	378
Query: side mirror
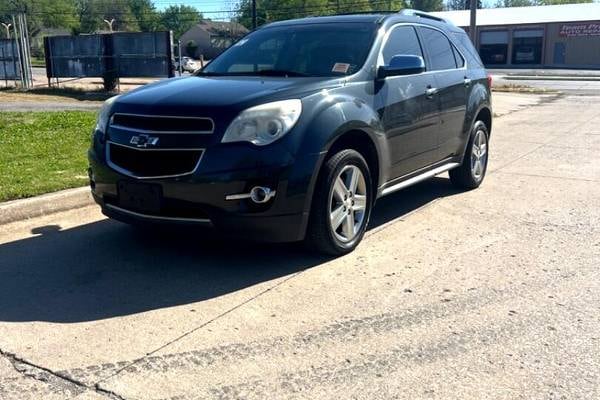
402	65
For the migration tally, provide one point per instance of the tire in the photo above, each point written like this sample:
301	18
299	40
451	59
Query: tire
468	175
349	213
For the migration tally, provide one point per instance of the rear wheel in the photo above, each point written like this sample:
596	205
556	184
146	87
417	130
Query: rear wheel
472	171
341	205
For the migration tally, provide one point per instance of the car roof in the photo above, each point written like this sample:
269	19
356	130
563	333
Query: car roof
385	19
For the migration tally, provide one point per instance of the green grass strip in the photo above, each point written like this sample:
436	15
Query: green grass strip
42	152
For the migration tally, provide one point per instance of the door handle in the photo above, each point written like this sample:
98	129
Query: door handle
467	82
430	92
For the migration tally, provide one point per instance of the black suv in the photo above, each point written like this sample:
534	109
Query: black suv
294	131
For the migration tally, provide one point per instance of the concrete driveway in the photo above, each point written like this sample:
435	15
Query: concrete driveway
493	293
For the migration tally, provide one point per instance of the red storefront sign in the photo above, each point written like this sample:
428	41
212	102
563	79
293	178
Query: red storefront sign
578	30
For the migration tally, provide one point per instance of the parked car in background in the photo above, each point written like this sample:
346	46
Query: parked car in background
296	130
188	64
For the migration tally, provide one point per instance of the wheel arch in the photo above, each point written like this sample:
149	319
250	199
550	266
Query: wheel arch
360	141
485	115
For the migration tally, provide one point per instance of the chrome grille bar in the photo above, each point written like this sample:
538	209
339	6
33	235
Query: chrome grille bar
140	123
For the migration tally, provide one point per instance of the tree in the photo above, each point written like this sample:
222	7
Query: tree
525	3
190	48
387	5
180	19
41	13
275	10
552	2
462	4
515	3
92	14
144	11
427	5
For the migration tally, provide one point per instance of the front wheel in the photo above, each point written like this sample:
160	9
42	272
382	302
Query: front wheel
341	205
472	171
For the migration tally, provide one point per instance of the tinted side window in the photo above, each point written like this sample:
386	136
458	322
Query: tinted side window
403	40
468	49
440	51
460	61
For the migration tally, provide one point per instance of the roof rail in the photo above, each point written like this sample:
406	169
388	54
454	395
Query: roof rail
422	14
359	13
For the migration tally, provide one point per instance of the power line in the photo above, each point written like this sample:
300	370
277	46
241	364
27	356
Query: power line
225	11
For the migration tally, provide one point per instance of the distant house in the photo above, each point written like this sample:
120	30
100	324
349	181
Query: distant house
209	38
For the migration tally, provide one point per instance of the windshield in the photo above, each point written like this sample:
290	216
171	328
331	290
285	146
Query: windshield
331	49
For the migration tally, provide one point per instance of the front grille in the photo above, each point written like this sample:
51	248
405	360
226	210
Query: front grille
154	163
162	124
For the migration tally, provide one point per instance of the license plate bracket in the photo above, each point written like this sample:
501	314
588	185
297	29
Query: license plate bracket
141	197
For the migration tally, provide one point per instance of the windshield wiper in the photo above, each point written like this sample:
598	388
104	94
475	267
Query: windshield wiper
262	72
200	73
277	72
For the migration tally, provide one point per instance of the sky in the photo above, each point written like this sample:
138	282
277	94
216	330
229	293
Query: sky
210	8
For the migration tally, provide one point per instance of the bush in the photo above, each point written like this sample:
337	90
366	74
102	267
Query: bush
190	48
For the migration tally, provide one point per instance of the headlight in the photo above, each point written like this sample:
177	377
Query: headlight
265	123
104	115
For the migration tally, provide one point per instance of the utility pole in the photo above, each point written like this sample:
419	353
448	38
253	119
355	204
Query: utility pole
7	27
253	14
110	24
473	25
180	66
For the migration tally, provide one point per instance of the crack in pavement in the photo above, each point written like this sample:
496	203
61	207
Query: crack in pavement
337	332
56	382
374	364
125	365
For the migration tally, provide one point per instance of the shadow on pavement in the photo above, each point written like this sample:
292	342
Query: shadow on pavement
107	269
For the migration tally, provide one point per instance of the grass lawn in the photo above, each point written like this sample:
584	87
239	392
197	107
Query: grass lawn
38	62
42	152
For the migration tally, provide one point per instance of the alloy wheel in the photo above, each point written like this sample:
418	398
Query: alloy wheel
348	203
479	155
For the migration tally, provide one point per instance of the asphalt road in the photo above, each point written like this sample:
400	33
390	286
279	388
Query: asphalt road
492	293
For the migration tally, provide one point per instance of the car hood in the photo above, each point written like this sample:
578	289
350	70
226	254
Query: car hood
201	95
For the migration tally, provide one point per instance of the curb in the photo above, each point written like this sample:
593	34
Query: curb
551	78
18	210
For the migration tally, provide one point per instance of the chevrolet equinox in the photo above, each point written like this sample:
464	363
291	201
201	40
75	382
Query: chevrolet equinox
294	131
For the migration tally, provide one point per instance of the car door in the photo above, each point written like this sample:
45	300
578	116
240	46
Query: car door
409	115
452	84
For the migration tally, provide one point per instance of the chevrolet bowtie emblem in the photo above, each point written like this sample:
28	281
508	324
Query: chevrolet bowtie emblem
144	141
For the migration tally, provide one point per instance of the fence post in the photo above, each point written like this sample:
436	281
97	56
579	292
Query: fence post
4	67
180	67
110	73
28	66
48	59
15	56
170	55
18	47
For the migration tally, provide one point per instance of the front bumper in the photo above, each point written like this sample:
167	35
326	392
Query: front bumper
200	199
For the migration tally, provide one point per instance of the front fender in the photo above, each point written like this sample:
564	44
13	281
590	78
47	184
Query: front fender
332	117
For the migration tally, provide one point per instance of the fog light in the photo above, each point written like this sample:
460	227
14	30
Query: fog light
261	195
258	194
